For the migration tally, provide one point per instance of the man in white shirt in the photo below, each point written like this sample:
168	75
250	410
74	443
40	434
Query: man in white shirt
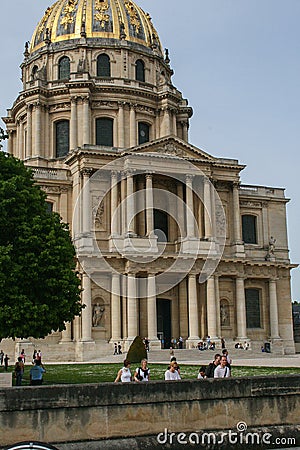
172	373
222	370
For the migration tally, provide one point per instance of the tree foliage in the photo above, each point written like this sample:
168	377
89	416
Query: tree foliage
38	284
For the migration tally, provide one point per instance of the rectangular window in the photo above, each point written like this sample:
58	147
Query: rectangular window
249	229
252	308
104	131
62	138
143	129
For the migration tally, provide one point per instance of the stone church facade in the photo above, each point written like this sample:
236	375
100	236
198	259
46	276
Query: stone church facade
169	242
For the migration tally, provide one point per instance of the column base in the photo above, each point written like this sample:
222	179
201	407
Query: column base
192	342
154	344
239	250
85	350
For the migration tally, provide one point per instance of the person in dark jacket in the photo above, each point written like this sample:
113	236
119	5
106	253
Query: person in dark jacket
210	369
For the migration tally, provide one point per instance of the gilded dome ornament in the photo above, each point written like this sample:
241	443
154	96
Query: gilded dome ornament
101	6
133	16
69	11
69	20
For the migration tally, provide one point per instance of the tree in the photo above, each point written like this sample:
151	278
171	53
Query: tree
39	287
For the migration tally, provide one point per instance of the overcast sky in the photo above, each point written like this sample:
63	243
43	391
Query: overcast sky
238	64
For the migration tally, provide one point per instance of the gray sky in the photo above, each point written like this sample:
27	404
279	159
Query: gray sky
236	61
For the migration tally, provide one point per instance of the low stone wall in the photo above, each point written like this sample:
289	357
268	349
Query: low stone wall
96	416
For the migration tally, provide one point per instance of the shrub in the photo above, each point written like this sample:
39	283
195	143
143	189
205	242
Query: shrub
137	350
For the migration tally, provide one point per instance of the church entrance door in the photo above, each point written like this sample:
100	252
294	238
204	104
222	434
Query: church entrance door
164	321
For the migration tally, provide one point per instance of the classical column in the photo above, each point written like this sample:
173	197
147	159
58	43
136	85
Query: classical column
183	308
180	211
151	308
73	124
190	207
29	132
184	124
86	121
149	205
241	309
218	313
38	134
114	204
211	308
76	224
10	142
274	326
86	315
207	209
121	129
166	122
86	207
130	204
115	308
236	214
131	307
174	122
193	308
132	127
157	124
123	205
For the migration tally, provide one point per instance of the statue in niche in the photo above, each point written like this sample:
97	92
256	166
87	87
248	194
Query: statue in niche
224	314
271	247
97	315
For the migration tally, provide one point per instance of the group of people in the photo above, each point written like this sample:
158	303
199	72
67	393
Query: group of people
35	373
4	360
220	367
117	348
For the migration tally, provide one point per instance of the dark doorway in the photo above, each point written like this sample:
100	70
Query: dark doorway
164	321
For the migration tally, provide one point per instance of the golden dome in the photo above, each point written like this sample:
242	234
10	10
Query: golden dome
68	20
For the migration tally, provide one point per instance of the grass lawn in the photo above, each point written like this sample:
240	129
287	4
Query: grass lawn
99	373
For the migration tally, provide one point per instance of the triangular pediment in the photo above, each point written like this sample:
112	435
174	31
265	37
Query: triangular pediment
173	147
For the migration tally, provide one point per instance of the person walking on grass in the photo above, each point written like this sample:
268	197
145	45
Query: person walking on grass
36	373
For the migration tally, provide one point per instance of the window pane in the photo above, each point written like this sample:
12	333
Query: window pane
104	132
252	308
143	132
62	138
140	70
249	229
161	225
64	68
103	66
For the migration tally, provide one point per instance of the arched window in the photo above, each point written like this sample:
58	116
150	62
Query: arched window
34	72
249	229
143	130
62	139
104	131
140	70
103	66
161	225
252	297
64	68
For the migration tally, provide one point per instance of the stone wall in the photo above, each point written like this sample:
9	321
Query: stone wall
96	416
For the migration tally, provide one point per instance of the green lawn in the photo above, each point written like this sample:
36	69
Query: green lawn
99	373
